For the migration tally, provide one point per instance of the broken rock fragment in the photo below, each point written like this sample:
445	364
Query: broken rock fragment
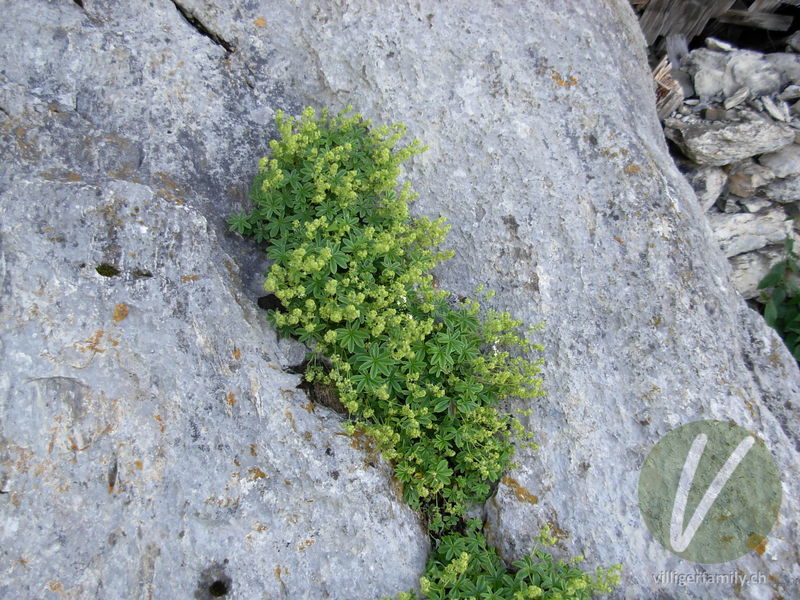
745	178
742	232
719	143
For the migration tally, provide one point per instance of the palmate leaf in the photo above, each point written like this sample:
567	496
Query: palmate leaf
279	251
240	223
377	360
366	382
338	260
352	336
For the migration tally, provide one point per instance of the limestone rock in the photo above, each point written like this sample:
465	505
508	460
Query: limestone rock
785	191
708	183
791	92
785	162
743	232
719	143
150	444
786	63
745	178
755	204
752	70
707	68
751	267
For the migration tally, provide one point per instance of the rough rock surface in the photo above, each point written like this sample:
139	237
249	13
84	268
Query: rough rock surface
741	232
721	143
752	71
746	177
150	444
785	191
750	268
758	88
562	196
708	183
784	162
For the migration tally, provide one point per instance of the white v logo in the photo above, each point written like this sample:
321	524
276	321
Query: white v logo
678	538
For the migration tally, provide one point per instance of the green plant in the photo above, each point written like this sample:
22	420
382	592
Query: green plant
420	372
782	309
465	566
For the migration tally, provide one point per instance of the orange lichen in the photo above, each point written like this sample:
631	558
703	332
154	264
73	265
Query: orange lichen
561	82
256	473
520	493
632	169
120	312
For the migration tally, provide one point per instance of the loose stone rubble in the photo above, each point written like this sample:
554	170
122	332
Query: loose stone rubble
736	138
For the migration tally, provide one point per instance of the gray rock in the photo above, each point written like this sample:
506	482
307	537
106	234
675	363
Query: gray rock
746	68
292	352
148	411
729	204
791	92
787	63
777	110
755	204
746	177
707	68
736	99
150	443
784	162
721	143
708	183
751	267
743	232
785	191
561	194
752	70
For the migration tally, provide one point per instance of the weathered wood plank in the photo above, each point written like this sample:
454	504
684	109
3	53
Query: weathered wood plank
764	5
762	20
687	17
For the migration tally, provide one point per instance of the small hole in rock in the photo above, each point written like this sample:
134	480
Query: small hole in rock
107	270
270	302
218	589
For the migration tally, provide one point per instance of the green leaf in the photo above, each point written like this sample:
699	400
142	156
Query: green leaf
240	223
770	313
774	276
442	404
